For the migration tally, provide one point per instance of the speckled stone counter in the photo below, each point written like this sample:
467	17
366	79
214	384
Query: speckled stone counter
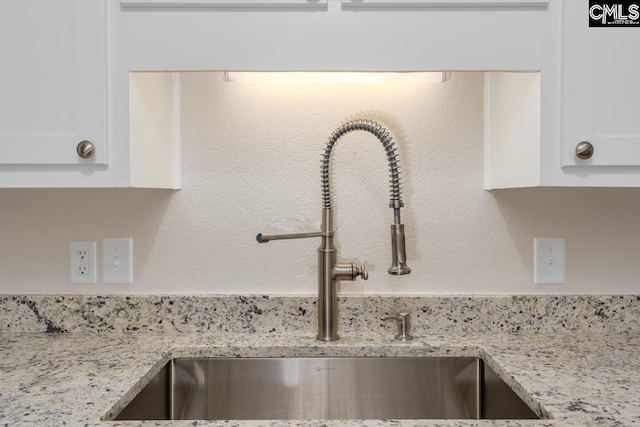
84	379
77	360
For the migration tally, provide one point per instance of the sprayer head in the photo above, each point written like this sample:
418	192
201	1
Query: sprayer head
398	252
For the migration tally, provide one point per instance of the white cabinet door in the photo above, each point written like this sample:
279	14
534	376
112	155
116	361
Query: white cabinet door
52	80
601	90
227	4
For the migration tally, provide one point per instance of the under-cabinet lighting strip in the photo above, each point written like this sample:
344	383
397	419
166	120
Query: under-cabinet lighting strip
334	77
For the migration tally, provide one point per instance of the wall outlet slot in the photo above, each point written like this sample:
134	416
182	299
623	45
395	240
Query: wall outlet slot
82	262
548	261
117	261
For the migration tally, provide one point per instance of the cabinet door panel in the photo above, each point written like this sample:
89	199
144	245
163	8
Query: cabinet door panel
419	4
617	92
601	91
227	4
52	80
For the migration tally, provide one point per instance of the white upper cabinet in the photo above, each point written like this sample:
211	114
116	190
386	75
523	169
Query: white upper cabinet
588	92
74	70
227	4
53	81
334	34
417	4
62	82
601	90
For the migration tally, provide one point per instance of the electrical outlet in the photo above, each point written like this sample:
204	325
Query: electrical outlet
82	262
548	261
117	261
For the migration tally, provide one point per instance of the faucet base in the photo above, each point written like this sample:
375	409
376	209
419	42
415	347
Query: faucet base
399	271
327	339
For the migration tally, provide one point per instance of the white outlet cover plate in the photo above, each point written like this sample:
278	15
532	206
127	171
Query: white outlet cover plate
548	261
117	260
82	262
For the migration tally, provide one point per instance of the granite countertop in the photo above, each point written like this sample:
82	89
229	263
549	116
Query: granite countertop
81	379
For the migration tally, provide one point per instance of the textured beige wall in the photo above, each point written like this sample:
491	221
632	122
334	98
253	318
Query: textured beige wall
251	159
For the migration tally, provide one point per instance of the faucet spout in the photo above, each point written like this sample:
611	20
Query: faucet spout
398	252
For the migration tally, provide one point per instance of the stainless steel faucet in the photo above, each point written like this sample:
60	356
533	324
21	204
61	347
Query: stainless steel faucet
330	271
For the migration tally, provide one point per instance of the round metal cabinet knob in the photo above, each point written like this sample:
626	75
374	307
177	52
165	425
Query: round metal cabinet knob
584	150
86	150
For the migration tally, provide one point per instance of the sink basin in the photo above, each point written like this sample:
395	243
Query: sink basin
326	389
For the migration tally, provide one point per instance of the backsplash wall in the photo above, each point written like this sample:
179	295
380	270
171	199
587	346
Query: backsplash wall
251	161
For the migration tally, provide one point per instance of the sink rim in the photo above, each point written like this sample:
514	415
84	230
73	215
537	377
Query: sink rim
319	352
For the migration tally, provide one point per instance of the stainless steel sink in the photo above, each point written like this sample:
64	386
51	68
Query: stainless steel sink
326	389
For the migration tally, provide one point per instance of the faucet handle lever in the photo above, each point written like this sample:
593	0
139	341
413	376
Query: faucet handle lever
362	272
404	325
264	238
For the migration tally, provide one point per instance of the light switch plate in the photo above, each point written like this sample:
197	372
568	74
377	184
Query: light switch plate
548	261
117	260
82	262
